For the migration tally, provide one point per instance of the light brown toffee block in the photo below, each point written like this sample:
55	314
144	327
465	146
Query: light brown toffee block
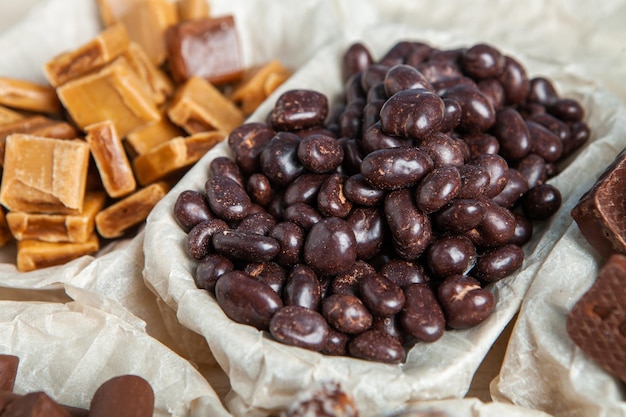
35	254
99	51
257	84
116	219
198	107
108	152
44	175
145	138
25	95
171	156
57	227
160	87
114	93
8	116
193	9
5	232
112	10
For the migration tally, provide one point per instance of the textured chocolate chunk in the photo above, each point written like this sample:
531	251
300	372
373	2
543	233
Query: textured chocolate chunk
601	211
8	371
597	322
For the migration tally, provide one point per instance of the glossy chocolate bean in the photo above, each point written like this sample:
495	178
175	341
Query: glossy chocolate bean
246	143
493	90
533	168
269	273
210	269
497	226
555	125
399	53
567	109
404	77
279	159
352	157
348	281
410	228
381	296
395	168
512	133
474	181
496	167
346	313
198	243
224	166
436	70
391	326
544	142
227	198
353	91
331	201
247	300
372	75
368	226
478	114
541	201
330	246
437	188
418	53
459	216
465	303
191	208
336	343
515	188
259	189
450	255
304	189
404	273
514	81
523	230
498	263
482	61
371	114
320	153
355	59
258	223
480	143
299	109
443	150
542	91
376	92
290	238
245	246
441	86
374	138
303	288
451	115
350	123
298	326
378	346
422	316
416	113
361	193
304	215
579	135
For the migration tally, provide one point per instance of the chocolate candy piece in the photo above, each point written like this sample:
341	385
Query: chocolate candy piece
464	302
422	316
8	371
191	208
376	345
39	404
597	322
123	396
600	211
299	326
330	246
299	109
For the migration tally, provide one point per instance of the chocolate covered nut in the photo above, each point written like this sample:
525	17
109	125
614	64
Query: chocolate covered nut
477	112
482	61
382	296
245	246
246	142
416	113
464	302
422	316
331	201
123	396
512	133
368	225
541	201
299	109
355	59
279	159
598	216
191	208
210	269
450	255
410	228
303	288
227	198
8	372
376	345
597	322
199	241
247	300
437	188
320	153
299	326
346	313
395	168
498	263
330	246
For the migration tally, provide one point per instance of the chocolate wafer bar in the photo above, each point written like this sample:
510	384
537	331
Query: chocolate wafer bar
597	322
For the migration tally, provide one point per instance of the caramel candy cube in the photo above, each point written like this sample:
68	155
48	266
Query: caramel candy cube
9	116
57	227
44	175
257	84
114	93
207	48
145	138
108	152
111	11
104	48
116	219
171	156
158	83
198	107
36	254
37	126
146	23
193	9
25	95
5	232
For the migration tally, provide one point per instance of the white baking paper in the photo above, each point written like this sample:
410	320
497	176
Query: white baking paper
265	374
69	350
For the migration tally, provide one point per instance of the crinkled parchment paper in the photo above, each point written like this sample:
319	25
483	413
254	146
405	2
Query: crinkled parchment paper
469	407
264	374
69	350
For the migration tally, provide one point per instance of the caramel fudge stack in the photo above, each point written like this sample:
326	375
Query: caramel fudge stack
87	157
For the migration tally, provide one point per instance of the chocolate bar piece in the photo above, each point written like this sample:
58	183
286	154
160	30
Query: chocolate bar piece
123	396
8	371
601	212
597	322
35	404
